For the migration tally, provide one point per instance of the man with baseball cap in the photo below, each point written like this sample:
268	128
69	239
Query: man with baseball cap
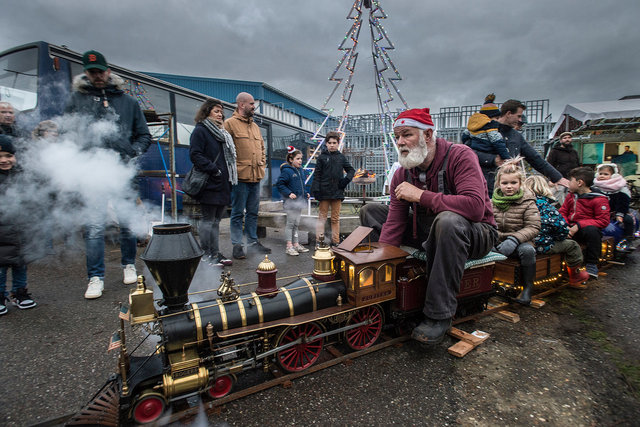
452	217
98	94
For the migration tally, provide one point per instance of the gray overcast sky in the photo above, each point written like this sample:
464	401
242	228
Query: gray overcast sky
449	53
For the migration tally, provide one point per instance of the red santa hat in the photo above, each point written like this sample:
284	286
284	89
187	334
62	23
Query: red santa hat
416	117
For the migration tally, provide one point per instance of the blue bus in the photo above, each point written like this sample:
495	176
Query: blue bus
36	79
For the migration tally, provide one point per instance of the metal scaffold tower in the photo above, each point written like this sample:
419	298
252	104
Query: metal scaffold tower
386	75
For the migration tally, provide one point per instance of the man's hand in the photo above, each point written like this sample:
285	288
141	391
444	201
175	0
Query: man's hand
564	182
292	196
408	192
573	230
498	161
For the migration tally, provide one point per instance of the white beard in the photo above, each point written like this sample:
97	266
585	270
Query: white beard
416	155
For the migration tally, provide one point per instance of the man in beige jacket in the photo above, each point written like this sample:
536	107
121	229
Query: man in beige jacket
251	162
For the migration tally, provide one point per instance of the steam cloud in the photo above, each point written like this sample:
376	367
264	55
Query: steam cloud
69	181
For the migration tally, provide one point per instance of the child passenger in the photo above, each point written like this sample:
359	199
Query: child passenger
587	213
482	130
554	230
518	219
613	185
329	182
290	184
10	241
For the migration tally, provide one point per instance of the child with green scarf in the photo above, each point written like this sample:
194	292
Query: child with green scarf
518	219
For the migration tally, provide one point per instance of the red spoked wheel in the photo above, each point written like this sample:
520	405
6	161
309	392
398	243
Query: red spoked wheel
365	335
221	387
302	355
148	409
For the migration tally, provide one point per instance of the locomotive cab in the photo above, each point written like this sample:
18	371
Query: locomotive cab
368	270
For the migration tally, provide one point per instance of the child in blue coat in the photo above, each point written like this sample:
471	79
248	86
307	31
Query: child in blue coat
290	184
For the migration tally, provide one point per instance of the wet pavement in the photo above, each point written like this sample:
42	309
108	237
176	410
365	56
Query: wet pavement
575	361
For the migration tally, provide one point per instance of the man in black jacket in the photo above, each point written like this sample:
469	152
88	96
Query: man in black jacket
563	156
98	94
510	114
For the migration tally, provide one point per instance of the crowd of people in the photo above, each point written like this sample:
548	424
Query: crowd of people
460	201
456	201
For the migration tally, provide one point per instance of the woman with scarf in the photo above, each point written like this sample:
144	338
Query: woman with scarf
212	151
518	219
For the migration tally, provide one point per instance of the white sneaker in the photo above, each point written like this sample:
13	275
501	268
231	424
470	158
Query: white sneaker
291	251
130	275
95	288
300	249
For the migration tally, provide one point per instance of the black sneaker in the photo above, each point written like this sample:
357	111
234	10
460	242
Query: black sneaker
3	305
257	248
23	299
238	252
223	260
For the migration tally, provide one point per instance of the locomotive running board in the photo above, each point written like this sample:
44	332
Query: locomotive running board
212	406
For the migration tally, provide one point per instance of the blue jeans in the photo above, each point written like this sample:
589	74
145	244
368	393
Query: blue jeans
94	242
19	274
245	196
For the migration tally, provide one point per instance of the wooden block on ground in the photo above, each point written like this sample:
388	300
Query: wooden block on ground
476	338
495	302
507	315
460	348
537	303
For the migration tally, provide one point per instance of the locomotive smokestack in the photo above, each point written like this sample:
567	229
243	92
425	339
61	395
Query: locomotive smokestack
172	257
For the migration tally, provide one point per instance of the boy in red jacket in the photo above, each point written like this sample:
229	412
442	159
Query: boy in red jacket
587	213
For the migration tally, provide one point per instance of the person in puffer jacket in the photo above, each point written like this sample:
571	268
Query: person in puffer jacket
587	213
518	219
482	133
290	185
554	230
329	182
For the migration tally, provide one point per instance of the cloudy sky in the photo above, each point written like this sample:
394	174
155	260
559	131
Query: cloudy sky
449	53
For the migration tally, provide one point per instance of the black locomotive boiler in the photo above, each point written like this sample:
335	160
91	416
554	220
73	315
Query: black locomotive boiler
203	346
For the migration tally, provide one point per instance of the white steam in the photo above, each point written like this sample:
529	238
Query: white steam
67	182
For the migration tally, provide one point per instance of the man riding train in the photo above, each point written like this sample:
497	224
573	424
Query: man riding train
451	215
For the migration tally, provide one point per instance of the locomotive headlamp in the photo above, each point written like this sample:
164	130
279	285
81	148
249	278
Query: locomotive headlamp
323	264
141	303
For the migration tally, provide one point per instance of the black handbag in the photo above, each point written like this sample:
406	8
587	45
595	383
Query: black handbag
194	182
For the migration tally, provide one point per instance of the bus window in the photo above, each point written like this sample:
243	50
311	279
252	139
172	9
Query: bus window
19	79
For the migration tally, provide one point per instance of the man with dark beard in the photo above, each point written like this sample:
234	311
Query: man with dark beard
452	218
98	95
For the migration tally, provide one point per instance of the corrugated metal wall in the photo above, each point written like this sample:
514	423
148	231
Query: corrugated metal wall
227	90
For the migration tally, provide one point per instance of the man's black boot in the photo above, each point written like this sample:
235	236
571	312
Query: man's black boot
431	331
527	273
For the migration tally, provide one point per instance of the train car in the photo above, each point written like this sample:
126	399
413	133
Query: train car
203	347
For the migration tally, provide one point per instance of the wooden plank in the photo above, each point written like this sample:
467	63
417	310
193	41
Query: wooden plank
476	338
537	303
507	315
460	348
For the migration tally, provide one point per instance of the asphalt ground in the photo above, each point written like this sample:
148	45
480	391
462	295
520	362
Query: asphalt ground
576	361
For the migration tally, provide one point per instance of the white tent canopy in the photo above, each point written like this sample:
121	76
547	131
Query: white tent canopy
621	109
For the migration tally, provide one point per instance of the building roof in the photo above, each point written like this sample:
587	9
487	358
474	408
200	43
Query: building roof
619	109
227	89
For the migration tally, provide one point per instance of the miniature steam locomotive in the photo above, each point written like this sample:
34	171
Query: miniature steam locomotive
203	346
